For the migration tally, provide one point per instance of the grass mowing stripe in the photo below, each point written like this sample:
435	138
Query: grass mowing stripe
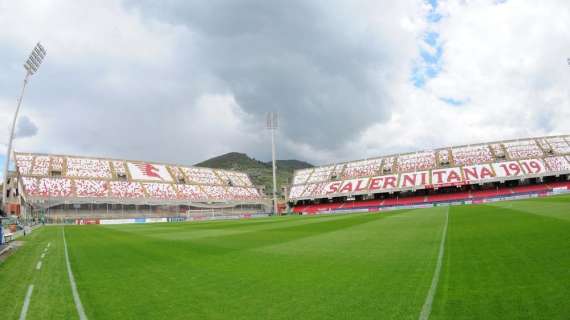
26	305
78	305
426	309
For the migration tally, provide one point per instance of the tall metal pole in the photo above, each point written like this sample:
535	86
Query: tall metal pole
12	131
274	172
272	125
32	65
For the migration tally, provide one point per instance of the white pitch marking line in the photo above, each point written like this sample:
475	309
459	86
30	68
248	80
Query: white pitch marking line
39	265
426	309
78	305
26	302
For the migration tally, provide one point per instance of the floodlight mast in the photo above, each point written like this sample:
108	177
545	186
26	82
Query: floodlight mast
32	65
272	125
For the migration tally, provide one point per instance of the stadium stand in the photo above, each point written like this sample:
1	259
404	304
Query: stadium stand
71	183
419	200
557	164
469	155
484	169
321	174
523	149
302	176
363	168
416	161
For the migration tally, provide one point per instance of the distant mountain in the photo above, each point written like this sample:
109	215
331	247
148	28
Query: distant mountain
259	171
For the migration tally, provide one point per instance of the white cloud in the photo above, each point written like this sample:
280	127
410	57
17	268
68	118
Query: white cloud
172	82
507	61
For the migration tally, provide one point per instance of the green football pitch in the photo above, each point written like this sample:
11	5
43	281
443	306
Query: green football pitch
508	260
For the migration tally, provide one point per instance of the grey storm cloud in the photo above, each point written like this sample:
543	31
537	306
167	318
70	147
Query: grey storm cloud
25	128
128	79
292	57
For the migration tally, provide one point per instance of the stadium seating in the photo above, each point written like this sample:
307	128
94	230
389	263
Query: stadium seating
296	191
557	164
88	168
236	178
47	187
523	149
126	189
321	174
201	175
470	155
91	188
190	192
434	198
484	163
41	166
163	191
416	161
216	192
241	193
24	164
559	145
363	168
301	176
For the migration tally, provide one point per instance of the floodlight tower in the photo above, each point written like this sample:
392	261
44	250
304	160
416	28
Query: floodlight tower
32	65
272	125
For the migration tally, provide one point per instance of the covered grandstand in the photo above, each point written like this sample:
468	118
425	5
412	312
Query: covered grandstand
458	173
70	187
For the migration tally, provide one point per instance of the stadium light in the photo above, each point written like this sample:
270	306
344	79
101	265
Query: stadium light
272	125
32	65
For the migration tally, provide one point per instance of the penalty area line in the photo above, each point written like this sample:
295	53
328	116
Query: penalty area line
78	305
426	308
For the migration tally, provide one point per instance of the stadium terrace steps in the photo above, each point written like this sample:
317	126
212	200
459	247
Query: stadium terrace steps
374	205
449	166
72	178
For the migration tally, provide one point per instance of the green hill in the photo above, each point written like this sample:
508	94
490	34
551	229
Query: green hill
259	171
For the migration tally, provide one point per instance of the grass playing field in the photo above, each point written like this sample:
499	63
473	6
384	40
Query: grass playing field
508	260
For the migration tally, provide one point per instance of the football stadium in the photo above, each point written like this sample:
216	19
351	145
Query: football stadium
257	159
85	189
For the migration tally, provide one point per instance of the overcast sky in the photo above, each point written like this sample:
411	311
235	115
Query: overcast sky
184	80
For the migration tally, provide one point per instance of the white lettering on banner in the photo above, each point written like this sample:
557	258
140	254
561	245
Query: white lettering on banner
446	176
478	173
148	171
414	179
508	169
435	178
532	166
383	183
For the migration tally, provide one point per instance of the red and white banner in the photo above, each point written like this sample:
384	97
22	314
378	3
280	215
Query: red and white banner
508	169
435	178
414	179
148	171
384	183
347	186
446	177
532	166
478	173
